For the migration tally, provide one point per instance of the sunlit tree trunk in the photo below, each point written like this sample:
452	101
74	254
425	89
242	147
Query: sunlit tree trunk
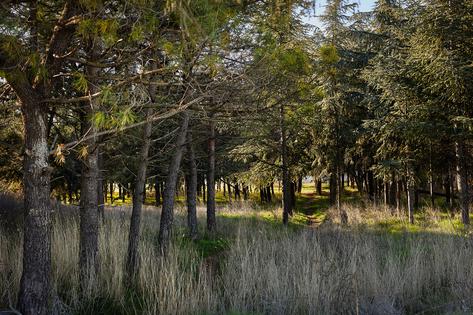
462	182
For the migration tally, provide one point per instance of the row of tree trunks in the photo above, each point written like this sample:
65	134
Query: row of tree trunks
265	194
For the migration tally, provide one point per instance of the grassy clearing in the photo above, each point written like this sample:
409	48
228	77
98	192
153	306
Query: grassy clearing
379	264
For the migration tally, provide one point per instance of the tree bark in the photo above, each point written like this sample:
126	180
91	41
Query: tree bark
132	263
100	190
89	223
286	181
35	281
191	189
462	182
341	211
111	193
157	191
211	218
398	196
410	196
333	189
167	213
319	187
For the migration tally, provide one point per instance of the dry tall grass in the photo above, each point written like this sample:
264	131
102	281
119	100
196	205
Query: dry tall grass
265	270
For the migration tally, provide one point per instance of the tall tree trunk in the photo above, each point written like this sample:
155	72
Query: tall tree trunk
157	191
341	211
100	190
410	196
386	195
229	190
318	185
191	189
35	280
211	219
167	213
333	189
462	182
293	197
398	196
286	180
448	185
371	192
132	263
111	193
89	223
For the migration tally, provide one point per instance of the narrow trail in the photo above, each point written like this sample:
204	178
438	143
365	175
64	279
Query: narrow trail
312	207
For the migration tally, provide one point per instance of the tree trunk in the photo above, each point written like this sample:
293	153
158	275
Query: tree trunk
293	197
100	190
35	280
319	187
398	196
286	181
132	263
157	191
89	227
462	182
342	213
333	189
448	185
111	193
299	184
89	223
371	192
191	189
410	196
211	219
229	190
167	213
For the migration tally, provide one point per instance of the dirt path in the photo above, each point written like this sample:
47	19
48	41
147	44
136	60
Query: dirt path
312	207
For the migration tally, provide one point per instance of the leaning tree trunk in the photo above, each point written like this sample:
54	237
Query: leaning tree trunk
462	182
211	219
35	281
286	181
132	266
167	213
89	215
191	189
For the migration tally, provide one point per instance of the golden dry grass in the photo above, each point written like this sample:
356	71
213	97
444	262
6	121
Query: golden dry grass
265	269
